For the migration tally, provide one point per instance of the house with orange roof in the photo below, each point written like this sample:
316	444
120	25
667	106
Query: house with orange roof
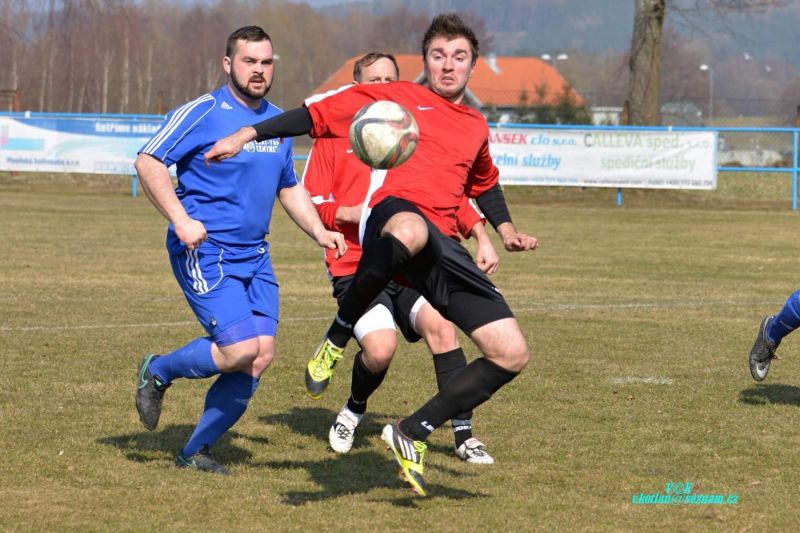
498	85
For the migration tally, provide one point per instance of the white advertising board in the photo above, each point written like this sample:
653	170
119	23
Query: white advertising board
605	158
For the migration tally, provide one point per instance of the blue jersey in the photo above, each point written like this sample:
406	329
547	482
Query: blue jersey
233	199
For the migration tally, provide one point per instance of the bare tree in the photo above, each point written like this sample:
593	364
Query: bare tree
14	19
645	60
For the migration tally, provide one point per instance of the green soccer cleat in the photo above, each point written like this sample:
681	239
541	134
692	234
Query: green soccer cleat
202	461
762	353
149	394
410	455
319	371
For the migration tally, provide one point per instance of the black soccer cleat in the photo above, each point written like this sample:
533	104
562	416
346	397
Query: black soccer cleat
202	461
762	353
149	394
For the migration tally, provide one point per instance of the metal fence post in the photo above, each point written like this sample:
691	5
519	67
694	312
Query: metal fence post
794	168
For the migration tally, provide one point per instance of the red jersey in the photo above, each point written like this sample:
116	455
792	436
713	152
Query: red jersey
452	158
334	176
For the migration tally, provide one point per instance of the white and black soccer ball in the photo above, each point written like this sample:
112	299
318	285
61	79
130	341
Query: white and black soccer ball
383	134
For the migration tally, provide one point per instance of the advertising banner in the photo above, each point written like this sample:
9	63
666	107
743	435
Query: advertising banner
605	158
93	144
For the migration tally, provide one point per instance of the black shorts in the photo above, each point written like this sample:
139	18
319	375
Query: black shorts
399	300
444	272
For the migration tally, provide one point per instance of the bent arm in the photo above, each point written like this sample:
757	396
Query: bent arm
298	206
157	185
493	205
485	256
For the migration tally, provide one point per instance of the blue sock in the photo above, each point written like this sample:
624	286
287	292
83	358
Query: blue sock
192	361
786	321
226	402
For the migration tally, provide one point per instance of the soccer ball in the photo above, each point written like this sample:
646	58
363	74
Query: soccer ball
383	134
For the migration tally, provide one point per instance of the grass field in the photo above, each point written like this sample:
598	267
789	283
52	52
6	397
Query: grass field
639	318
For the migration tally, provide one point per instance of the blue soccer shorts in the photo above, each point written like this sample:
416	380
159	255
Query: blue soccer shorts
232	290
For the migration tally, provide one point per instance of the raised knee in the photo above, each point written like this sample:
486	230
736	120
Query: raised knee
377	359
411	231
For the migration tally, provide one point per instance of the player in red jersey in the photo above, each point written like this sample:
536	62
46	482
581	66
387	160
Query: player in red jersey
412	221
338	182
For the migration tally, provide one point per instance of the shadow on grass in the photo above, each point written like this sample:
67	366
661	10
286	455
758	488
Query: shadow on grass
360	471
316	422
139	446
769	394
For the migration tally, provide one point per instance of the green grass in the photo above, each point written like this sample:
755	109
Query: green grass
671	287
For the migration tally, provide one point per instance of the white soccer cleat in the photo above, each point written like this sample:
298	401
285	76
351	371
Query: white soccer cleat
343	431
474	451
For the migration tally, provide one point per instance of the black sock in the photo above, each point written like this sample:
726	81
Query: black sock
466	390
339	332
363	385
462	430
378	264
447	365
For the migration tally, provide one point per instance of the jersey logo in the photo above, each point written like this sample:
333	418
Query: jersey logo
424	108
349	151
269	146
226	105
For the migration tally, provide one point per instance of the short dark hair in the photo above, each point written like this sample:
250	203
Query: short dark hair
250	34
370	58
450	26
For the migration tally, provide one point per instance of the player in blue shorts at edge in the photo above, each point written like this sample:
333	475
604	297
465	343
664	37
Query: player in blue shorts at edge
219	216
770	333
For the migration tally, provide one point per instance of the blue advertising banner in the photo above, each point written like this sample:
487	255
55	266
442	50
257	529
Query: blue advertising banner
93	144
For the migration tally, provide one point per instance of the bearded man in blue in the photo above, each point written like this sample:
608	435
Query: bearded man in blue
219	217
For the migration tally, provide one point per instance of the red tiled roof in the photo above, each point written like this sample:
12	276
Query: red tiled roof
501	86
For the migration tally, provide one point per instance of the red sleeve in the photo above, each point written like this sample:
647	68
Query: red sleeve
466	217
332	112
484	174
318	181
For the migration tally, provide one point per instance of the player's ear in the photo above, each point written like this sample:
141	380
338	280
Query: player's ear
226	64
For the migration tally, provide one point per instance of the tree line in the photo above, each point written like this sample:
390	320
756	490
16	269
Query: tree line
147	56
124	56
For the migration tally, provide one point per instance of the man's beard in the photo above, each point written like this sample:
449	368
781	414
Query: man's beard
245	89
